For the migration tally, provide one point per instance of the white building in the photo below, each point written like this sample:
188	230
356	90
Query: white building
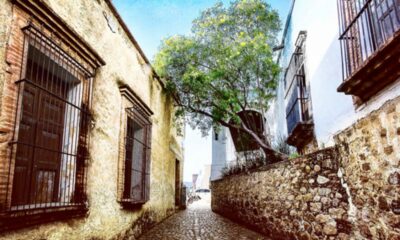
223	152
337	61
313	56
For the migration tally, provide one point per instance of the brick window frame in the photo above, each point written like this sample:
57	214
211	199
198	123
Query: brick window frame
55	38
134	170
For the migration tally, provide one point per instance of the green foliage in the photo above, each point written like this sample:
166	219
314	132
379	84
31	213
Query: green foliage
225	66
294	155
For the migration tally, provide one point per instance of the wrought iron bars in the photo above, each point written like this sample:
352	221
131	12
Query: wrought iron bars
137	157
50	140
365	26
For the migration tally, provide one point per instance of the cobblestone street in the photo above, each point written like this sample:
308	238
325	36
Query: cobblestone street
198	222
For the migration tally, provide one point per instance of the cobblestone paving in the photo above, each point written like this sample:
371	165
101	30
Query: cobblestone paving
198	222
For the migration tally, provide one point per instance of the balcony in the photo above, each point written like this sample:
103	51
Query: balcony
298	116
370	46
298	103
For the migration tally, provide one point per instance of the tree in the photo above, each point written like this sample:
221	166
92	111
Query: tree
224	67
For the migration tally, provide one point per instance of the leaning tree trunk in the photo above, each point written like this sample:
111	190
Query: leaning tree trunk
250	135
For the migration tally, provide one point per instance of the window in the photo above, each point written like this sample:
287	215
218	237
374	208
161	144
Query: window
50	143
370	46
216	136
135	172
297	94
365	26
299	119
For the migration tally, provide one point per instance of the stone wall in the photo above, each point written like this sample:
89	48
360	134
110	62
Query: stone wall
370	161
352	192
97	25
302	198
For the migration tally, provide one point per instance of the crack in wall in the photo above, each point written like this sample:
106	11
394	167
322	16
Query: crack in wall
352	212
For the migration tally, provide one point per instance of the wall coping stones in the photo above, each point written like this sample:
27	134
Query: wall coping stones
323	157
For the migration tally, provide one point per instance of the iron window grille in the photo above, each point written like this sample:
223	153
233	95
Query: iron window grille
365	26
136	167
297	94
49	148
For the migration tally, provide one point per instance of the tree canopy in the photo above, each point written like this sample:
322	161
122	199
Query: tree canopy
224	66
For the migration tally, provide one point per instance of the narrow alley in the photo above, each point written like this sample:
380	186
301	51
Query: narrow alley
199	222
257	119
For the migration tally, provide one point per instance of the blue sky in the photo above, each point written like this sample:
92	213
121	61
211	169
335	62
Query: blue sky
150	21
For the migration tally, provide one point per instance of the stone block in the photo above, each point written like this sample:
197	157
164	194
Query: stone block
322	218
322	180
394	178
330	228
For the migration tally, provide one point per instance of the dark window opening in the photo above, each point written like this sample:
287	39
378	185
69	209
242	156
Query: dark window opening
137	158
178	184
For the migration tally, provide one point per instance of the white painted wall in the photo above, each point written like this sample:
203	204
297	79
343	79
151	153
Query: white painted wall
223	152
332	111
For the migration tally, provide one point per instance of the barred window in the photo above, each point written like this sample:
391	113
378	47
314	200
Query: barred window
50	142
135	150
137	157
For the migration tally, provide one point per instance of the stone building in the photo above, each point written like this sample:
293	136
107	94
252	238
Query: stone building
87	144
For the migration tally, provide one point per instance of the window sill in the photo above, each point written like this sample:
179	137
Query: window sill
16	219
131	203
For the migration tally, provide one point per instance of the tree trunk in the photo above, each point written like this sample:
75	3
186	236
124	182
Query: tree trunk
271	155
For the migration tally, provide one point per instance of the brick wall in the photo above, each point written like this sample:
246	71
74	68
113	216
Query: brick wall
13	62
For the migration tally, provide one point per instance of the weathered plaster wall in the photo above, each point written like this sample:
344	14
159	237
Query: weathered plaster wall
300	198
96	24
370	151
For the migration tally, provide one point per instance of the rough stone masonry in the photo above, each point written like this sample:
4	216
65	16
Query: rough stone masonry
351	191
302	198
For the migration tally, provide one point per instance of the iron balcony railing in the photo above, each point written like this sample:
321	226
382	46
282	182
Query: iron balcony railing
365	26
297	108
297	96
